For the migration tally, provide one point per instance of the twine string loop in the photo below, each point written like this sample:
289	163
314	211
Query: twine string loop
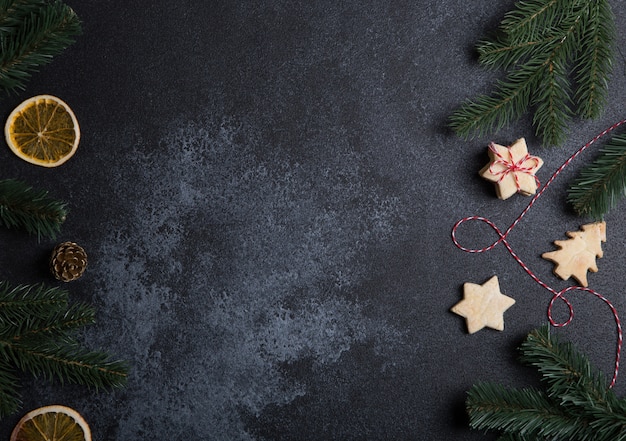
501	236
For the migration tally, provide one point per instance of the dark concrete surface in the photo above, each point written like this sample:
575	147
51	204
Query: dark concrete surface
266	192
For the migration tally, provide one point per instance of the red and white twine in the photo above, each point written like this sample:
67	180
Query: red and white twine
556	295
513	167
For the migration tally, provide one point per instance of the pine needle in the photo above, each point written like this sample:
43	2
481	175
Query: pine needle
594	62
577	405
33	210
13	12
23	306
569	376
545	46
66	361
32	32
9	384
36	336
602	184
526	412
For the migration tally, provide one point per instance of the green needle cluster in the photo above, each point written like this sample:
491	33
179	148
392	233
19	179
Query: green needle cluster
601	184
36	324
31	33
558	58
32	210
577	404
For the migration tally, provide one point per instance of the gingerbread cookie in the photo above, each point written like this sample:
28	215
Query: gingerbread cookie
512	169
577	255
483	305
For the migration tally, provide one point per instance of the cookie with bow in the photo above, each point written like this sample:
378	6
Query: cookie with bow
512	169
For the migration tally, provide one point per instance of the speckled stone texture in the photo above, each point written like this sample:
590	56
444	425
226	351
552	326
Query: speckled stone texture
266	190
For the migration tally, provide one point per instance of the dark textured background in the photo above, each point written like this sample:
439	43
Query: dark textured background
266	192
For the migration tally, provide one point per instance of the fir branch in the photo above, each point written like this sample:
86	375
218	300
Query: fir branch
55	324
532	17
526	412
32	37
13	12
65	360
22	305
569	376
36	325
601	184
552	96
578	405
9	384
502	53
594	61
539	40
22	206
508	103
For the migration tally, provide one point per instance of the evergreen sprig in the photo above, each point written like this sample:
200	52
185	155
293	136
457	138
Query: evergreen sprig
577	404
601	184
32	32
33	210
558	58
36	336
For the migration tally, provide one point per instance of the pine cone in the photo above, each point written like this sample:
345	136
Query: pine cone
68	261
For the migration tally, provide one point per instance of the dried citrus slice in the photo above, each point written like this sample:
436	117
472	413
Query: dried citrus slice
43	130
52	423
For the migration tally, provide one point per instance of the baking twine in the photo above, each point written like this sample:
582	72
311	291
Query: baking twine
556	295
512	167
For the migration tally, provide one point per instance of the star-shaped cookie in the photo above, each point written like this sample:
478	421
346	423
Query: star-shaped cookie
483	305
512	169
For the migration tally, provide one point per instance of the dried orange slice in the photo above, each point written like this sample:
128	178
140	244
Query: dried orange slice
43	130
52	423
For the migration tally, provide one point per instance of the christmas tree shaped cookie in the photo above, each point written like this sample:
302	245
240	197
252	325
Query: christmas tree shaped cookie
577	255
512	169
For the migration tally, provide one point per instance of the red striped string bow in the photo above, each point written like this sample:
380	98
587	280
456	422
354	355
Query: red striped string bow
502	167
556	295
